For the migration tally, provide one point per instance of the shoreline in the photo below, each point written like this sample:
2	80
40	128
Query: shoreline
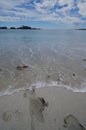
39	85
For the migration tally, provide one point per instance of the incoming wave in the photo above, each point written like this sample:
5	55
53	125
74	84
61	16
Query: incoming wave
10	90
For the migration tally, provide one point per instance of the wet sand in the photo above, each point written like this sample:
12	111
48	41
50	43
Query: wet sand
24	110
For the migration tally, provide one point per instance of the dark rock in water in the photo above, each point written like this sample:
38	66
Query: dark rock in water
84	59
25	66
0	69
72	123
73	74
19	68
48	76
22	67
58	79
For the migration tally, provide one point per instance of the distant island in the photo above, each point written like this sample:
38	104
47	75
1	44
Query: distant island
3	27
22	27
81	29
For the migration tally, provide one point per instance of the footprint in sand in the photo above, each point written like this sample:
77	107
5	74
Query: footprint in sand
72	123
7	116
37	105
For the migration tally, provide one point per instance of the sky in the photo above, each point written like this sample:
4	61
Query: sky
51	14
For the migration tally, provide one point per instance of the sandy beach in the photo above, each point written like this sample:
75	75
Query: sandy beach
24	110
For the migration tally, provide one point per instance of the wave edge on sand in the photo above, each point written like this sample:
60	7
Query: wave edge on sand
10	90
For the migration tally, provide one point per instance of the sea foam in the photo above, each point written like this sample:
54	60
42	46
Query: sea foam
11	90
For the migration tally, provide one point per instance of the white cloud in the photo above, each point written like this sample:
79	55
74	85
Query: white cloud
63	2
65	10
42	11
82	8
71	20
9	18
45	5
12	3
49	17
19	14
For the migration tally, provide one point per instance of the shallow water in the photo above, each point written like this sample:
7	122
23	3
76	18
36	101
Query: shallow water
53	57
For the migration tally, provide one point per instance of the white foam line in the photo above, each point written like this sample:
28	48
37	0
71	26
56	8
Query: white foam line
10	90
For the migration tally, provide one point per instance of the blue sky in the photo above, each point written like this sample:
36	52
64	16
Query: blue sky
43	13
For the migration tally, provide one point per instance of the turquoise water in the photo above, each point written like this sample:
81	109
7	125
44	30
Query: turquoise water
53	57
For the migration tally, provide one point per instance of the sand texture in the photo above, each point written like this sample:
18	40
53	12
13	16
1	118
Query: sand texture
47	108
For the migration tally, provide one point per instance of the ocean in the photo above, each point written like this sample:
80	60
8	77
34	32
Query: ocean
54	58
